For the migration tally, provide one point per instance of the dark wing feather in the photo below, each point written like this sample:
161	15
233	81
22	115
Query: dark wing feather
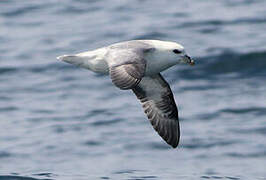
159	105
126	67
127	76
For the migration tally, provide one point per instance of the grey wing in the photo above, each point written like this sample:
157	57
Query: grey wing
126	67
159	105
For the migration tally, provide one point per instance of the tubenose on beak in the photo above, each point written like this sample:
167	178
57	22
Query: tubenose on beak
189	60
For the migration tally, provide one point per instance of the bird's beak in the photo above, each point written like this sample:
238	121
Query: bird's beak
188	60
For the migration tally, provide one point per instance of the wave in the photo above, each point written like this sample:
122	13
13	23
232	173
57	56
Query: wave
19	11
11	177
217	22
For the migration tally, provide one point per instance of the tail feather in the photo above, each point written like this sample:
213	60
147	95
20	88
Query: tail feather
72	59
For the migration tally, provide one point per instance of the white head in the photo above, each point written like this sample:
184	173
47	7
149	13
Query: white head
171	52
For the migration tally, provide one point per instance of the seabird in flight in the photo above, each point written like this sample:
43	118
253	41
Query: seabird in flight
136	65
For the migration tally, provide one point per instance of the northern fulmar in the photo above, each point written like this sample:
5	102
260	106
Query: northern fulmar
136	65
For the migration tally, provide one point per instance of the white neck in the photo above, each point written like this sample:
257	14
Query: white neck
158	62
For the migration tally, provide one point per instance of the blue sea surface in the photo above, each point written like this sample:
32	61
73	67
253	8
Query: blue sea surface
58	121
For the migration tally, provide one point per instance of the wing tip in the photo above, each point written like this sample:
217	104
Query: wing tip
174	145
174	141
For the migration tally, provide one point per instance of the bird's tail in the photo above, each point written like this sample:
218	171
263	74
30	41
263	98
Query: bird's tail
72	59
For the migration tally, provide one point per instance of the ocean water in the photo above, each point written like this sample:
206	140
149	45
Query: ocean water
58	121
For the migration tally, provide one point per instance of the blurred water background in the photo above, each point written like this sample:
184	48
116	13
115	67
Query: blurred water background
58	121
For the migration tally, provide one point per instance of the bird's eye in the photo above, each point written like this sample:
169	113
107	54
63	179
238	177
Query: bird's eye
176	51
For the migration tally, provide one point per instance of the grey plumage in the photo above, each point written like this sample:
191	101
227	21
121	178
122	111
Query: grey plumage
127	73
159	105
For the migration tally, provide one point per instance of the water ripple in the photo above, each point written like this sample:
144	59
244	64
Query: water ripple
255	110
22	11
9	177
7	70
106	122
4	154
217	22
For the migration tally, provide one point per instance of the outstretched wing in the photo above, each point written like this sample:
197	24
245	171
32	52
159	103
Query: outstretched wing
126	67
159	105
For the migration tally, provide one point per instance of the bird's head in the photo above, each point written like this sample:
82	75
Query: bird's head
171	52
